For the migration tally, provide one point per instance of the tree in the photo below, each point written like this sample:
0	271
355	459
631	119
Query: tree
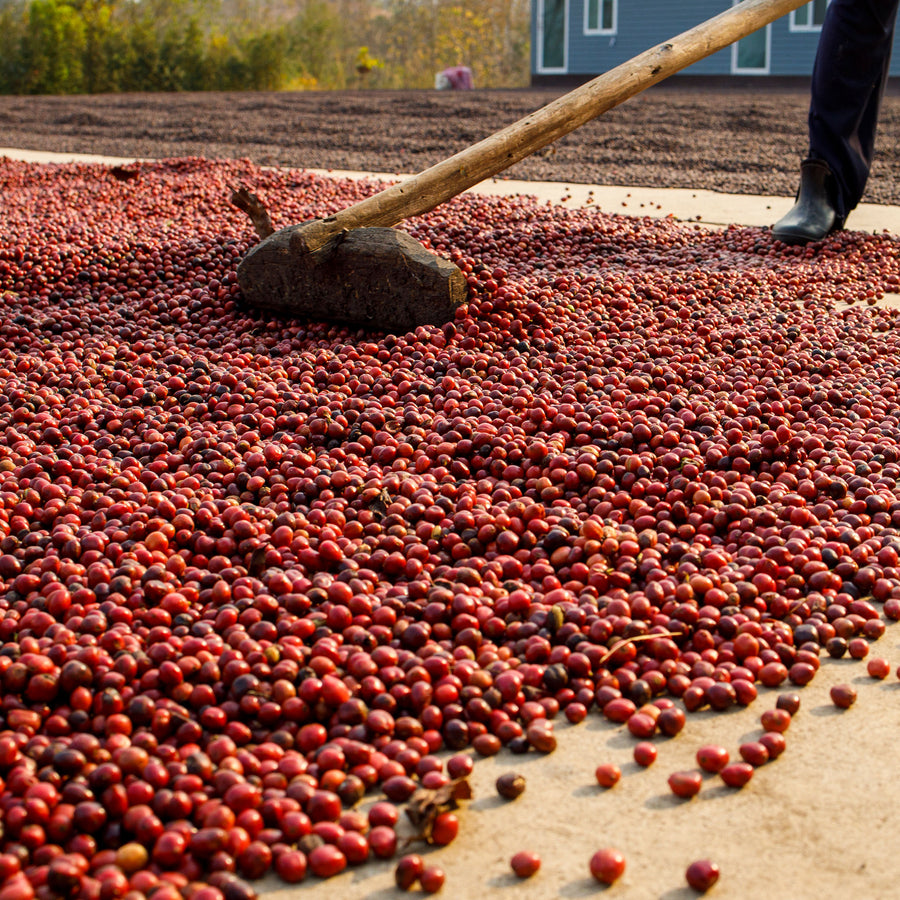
13	73
315	38
264	56
53	49
67	46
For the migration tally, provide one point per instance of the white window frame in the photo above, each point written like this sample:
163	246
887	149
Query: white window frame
808	25
552	70
600	29
765	70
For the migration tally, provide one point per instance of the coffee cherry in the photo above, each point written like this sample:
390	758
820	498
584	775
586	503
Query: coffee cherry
754	752
774	742
607	865
645	753
878	667
432	879
685	784
789	702
736	774
607	774
712	758
445	828
510	785
408	870
775	720
326	861
702	874
843	695
525	863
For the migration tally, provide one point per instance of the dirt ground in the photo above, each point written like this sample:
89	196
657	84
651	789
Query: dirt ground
736	138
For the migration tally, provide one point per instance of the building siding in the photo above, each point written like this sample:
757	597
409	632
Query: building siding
643	24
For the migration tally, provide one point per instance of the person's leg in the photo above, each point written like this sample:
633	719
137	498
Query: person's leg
849	76
848	80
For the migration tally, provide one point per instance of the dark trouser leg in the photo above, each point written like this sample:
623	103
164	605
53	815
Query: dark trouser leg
849	76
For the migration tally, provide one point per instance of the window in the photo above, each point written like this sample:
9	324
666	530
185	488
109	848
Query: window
600	16
750	55
553	29
809	17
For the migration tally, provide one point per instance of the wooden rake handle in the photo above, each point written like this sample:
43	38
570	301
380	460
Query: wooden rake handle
494	154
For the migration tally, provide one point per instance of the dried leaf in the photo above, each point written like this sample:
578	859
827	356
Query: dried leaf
555	619
426	805
379	505
257	564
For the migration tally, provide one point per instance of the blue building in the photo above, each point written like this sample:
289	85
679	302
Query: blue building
574	40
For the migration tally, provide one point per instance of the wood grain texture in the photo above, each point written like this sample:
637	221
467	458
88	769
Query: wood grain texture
499	151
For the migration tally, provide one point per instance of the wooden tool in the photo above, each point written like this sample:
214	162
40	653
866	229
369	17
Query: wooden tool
352	267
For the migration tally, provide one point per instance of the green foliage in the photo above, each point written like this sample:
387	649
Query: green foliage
53	48
315	37
97	46
264	61
102	53
12	60
365	62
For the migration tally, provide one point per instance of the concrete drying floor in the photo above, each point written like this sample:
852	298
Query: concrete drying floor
818	823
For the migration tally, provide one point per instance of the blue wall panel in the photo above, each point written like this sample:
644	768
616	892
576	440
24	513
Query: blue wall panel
643	24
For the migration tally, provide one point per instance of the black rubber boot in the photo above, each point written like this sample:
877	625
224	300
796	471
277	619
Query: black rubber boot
813	216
